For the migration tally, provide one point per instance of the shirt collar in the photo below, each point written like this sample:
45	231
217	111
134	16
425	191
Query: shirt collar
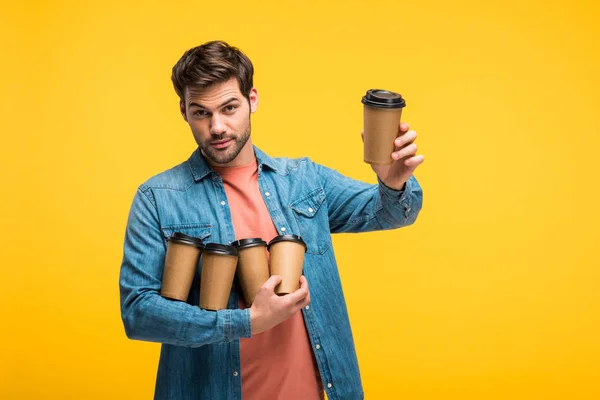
200	168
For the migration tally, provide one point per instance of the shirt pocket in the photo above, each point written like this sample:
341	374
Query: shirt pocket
310	212
201	231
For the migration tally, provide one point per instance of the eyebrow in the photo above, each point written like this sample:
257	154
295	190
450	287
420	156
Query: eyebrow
222	104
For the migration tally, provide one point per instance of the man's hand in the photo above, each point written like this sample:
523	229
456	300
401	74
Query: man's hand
405	159
270	309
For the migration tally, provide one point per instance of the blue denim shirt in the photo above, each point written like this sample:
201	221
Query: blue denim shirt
200	354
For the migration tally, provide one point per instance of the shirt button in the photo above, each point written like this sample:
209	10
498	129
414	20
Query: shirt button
310	210
222	203
318	346
235	373
329	385
282	229
267	194
307	307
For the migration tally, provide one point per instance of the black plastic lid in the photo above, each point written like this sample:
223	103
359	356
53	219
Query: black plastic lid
383	99
221	249
246	243
186	239
287	238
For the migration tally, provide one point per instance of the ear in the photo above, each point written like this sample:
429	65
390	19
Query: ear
182	110
253	100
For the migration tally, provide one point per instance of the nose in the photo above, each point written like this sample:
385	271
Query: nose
217	125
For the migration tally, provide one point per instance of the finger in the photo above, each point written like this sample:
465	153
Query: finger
297	297
304	302
407	151
404	127
303	281
403	140
272	282
301	293
304	285
414	162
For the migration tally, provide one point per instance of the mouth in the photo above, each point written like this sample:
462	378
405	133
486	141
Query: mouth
221	144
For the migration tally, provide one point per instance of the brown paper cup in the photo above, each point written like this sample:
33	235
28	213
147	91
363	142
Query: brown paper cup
219	263
253	266
382	113
380	131
287	260
181	263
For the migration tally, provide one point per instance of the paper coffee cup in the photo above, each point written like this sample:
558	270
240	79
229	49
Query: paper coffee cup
253	266
181	263
219	262
287	260
382	112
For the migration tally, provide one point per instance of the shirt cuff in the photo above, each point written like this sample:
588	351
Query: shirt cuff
393	193
401	197
236	324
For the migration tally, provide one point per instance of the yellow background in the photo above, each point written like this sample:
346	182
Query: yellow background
492	294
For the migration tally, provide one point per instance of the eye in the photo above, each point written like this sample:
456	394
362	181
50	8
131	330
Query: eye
200	113
230	108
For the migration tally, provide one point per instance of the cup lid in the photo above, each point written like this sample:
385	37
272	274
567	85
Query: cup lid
383	99
186	239
287	238
221	249
250	242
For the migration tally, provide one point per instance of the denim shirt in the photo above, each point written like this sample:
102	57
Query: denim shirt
200	353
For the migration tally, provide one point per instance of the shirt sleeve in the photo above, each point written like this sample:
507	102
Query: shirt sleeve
356	206
146	314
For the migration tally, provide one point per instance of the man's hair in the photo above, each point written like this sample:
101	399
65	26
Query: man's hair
211	63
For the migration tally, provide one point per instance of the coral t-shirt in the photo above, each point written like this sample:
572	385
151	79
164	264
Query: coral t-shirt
278	363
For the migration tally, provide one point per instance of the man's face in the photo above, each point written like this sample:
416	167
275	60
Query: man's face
219	117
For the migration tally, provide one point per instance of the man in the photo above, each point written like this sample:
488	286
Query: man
281	347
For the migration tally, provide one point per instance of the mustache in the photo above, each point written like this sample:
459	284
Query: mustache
215	138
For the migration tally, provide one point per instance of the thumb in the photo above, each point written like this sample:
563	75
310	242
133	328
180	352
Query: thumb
272	282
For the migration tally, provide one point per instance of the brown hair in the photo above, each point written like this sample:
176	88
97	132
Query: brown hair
213	62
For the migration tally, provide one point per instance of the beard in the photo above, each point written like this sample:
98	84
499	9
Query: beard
224	156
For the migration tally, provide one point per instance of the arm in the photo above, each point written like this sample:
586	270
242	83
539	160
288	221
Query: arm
360	207
148	316
396	200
